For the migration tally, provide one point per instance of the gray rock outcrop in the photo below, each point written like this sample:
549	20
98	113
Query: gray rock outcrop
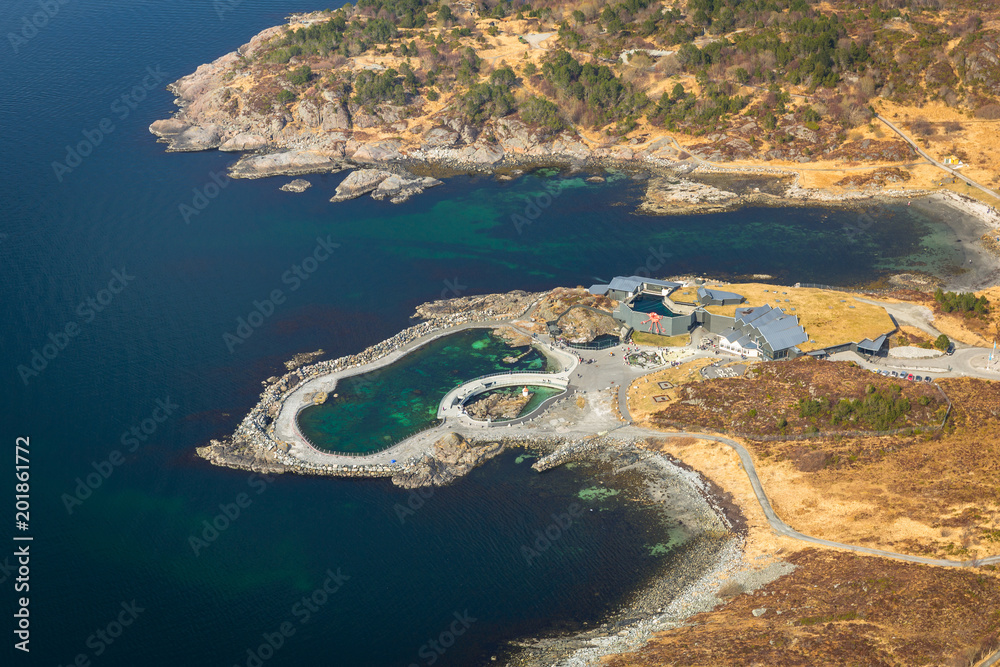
453	457
298	185
287	163
382	184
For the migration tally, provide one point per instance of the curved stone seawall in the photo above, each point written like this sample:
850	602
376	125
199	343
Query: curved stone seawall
253	445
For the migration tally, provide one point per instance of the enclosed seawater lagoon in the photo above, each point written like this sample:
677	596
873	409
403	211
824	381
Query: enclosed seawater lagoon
375	409
539	394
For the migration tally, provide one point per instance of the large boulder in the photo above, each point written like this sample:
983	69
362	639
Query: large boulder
288	163
244	141
452	457
335	117
196	139
359	182
398	188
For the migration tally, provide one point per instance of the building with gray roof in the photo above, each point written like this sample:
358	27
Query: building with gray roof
714	297
762	331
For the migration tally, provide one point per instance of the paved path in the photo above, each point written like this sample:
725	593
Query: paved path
991	660
939	165
451	406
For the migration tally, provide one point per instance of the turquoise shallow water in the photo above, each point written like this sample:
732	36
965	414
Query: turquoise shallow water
128	536
538	394
378	408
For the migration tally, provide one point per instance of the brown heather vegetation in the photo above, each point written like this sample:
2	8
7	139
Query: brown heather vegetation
842	609
803	396
935	493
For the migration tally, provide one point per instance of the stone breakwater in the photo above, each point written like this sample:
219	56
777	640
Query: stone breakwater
572	451
253	446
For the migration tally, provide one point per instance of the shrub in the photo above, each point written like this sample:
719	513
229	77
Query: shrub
988	112
961	302
942	343
285	96
503	77
486	100
543	113
300	76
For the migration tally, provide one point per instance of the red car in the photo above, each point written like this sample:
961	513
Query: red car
910	376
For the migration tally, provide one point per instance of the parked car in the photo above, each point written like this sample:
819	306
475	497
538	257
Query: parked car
928	378
894	374
910	376
918	379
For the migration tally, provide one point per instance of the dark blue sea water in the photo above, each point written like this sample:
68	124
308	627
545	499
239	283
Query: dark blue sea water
97	262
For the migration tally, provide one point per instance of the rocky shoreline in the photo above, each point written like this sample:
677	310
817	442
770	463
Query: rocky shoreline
689	583
406	146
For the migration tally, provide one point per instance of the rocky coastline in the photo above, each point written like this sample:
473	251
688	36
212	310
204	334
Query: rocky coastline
709	558
326	132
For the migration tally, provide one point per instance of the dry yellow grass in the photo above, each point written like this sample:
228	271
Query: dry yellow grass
974	141
720	464
957	327
827	316
641	392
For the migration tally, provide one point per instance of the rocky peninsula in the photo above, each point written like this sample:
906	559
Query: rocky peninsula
394	115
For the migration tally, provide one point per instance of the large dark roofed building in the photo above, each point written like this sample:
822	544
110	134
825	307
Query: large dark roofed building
761	331
626	287
714	297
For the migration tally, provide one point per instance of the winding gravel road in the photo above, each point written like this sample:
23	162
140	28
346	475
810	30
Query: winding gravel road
939	165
